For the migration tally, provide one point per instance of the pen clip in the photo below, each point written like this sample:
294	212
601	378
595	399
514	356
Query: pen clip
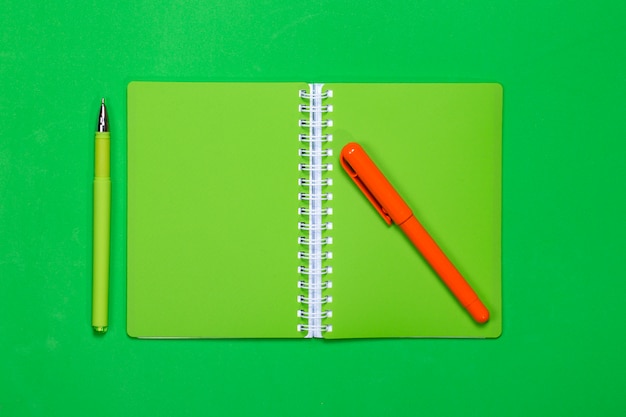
355	177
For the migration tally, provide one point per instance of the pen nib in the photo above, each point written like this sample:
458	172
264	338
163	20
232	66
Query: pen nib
103	120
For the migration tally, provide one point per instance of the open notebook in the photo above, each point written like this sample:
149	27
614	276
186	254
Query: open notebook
223	189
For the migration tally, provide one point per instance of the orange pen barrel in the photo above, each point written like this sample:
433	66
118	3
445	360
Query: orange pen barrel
445	269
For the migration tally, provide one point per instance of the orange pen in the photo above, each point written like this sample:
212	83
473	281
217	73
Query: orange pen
392	207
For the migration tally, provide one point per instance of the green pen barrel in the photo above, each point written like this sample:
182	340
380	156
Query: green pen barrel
101	233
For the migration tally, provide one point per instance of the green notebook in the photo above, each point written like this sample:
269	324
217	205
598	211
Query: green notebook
242	223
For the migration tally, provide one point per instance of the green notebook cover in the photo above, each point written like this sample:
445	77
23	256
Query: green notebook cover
213	186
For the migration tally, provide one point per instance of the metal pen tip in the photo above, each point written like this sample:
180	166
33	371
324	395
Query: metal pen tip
103	120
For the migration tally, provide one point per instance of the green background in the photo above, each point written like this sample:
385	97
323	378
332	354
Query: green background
563	68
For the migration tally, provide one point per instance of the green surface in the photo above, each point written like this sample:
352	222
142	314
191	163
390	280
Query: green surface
212	209
562	65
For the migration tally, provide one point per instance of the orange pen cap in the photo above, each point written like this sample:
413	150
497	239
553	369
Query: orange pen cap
373	184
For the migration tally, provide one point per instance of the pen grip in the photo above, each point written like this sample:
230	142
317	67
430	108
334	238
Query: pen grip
444	268
101	250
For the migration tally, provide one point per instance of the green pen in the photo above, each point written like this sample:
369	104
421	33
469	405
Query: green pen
101	224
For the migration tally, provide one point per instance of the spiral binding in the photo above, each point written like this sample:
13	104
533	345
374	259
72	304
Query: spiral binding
315	242
316	226
316	94
322	139
306	285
